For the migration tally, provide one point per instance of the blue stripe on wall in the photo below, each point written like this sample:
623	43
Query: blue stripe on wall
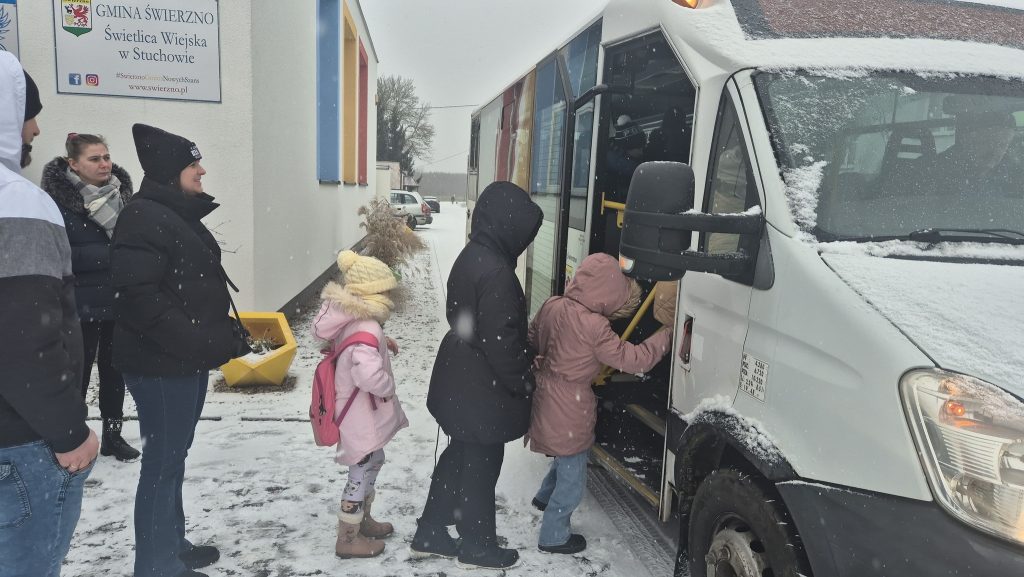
328	90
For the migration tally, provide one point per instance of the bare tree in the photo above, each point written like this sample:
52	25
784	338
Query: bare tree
404	131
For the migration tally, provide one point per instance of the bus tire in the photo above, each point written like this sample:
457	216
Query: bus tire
739	527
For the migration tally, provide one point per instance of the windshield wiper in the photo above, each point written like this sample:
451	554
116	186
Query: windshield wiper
934	235
997	235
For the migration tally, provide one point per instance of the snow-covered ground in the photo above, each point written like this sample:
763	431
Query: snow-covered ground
258	487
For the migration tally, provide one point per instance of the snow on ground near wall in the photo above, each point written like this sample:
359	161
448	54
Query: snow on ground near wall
258	487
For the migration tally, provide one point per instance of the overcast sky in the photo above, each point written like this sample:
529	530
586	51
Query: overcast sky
466	51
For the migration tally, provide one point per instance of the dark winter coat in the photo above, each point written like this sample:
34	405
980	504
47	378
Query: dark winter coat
481	383
90	245
171	306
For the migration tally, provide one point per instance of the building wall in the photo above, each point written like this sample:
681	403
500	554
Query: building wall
279	226
222	131
300	224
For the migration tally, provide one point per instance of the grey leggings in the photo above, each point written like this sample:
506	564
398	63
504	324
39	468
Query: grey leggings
362	476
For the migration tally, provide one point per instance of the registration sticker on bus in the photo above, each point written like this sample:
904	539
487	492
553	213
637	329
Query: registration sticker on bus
753	377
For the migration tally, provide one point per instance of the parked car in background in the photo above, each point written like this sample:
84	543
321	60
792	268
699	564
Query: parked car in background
433	203
411	207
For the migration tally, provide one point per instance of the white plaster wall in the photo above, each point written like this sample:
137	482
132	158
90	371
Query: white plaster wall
258	144
222	131
300	225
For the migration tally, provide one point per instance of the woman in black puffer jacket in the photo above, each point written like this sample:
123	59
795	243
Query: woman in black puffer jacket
90	191
481	385
172	328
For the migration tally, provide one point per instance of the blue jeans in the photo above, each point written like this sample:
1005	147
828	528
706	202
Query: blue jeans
562	490
169	409
39	507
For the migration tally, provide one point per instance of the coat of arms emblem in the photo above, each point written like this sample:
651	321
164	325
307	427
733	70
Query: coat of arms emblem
77	15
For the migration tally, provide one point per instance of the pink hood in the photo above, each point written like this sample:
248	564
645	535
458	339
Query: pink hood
599	285
330	324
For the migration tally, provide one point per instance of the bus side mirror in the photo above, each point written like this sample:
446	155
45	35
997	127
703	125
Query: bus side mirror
659	222
657	188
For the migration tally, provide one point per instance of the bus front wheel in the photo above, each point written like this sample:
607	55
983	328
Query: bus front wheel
739	528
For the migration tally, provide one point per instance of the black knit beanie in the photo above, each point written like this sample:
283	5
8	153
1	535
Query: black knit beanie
163	155
32	103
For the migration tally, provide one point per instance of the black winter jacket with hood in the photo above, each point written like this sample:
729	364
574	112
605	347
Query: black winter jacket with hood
90	245
481	383
171	306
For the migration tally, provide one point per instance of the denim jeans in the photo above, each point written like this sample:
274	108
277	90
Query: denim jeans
39	507
562	489
169	409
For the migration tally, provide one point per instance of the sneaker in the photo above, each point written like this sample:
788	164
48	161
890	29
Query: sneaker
433	541
575	544
538	504
488	557
199	556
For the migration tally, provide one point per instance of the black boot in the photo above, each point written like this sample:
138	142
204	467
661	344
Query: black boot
433	541
575	544
199	556
114	444
486	554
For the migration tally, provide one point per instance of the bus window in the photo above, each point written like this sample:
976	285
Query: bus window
545	181
731	187
474	159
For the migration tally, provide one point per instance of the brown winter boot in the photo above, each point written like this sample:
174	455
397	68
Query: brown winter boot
350	543
370	527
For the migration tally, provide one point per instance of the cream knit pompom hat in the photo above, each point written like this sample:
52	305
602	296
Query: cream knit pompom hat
365	275
365	282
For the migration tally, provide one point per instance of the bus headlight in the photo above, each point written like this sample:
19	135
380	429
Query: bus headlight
971	438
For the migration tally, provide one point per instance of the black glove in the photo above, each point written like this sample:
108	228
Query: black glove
239	339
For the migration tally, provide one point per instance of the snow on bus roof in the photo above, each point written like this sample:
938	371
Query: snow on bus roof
934	19
918	35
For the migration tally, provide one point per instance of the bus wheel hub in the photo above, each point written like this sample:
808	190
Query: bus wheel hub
735	552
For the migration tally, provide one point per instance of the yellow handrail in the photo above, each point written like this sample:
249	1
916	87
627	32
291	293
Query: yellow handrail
606	372
616	206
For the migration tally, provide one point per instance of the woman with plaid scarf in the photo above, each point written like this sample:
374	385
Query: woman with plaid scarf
90	191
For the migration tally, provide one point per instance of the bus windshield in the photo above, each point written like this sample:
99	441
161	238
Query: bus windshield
881	156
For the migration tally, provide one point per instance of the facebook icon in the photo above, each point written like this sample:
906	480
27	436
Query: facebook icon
75	79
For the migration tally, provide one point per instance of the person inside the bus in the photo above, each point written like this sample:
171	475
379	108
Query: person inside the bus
979	160
671	141
624	155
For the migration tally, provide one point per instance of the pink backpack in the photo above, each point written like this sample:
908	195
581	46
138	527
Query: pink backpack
321	408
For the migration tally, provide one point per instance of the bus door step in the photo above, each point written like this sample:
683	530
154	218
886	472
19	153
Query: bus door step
654	422
610	463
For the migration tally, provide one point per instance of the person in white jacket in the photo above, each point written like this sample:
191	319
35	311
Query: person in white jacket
46	448
361	305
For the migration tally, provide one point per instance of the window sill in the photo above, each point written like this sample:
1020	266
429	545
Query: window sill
328	182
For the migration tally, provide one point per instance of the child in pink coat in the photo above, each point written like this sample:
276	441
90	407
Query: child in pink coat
574	340
361	304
